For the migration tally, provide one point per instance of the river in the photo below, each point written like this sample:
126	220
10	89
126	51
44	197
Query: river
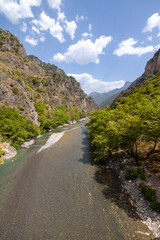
57	194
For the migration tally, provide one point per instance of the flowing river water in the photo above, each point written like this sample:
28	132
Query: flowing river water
53	192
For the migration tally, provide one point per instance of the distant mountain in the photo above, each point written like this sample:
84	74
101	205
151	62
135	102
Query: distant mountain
106	98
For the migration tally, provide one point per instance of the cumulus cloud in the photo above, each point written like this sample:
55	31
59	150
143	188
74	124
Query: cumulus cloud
35	29
152	22
79	18
87	35
61	16
127	47
24	27
84	51
56	31
71	28
157	47
31	41
55	4
149	38
90	84
42	39
45	23
15	10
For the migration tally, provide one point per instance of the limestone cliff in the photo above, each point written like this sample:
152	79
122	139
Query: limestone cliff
152	68
25	80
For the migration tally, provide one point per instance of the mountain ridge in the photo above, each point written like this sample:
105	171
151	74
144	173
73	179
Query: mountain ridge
103	99
152	68
24	82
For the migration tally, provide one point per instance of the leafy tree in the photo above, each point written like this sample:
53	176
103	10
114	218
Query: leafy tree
14	127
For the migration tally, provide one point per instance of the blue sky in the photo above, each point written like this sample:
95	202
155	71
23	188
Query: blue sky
102	43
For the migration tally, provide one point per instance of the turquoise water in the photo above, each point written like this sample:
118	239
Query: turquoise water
25	153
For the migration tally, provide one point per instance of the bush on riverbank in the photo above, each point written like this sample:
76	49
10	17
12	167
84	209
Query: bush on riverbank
148	192
155	206
50	119
15	128
151	196
134	173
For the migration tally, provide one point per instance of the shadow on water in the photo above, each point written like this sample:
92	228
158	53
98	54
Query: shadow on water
86	148
109	178
112	190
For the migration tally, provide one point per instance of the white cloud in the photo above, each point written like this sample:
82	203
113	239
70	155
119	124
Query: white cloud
149	38
35	22
61	16
158	35
152	22
90	27
55	4
157	47
42	39
31	41
90	84
79	18
15	10
87	35
35	29
127	47
56	31
45	23
84	51
71	28
24	27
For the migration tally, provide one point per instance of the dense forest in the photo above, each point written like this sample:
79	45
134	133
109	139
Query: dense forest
131	124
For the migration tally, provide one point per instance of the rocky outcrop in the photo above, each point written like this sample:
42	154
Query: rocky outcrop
10	151
25	80
152	68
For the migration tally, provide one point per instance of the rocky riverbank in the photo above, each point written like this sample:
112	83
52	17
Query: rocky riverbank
144	211
9	151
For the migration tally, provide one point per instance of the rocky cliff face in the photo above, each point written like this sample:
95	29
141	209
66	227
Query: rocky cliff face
152	68
25	80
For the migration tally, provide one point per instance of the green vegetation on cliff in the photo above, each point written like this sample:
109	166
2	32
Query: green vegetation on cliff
15	128
50	119
130	122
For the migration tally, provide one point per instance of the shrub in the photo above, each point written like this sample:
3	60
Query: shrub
2	152
15	90
15	127
35	81
134	173
155	206
40	108
148	192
